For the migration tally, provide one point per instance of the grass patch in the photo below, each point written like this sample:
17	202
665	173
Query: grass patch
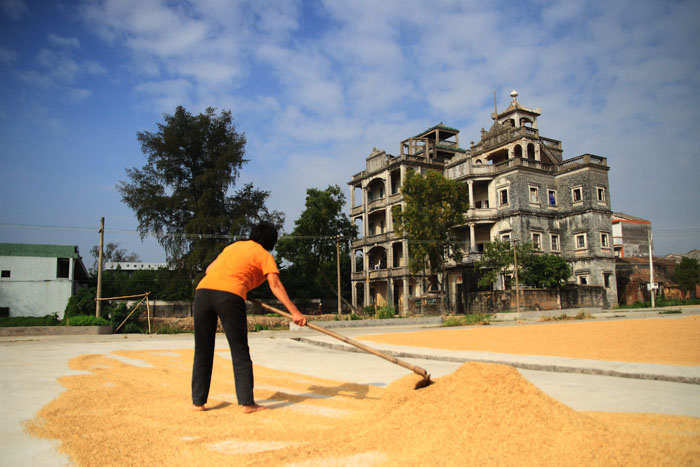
565	317
660	302
385	312
670	312
86	320
468	320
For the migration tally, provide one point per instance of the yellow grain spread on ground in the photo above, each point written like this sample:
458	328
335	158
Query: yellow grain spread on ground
665	341
482	414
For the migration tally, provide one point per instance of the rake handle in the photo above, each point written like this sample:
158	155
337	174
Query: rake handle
416	369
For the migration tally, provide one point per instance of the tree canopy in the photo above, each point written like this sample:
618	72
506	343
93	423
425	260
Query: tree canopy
182	194
534	268
544	270
688	275
433	206
111	253
310	250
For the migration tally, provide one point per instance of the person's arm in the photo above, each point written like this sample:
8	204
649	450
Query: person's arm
281	293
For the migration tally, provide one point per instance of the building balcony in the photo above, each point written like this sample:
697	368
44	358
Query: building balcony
372	240
585	159
376	204
490	214
516	162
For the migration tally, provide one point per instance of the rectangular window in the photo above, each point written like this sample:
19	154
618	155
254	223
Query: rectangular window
552	197
503	197
5	273
604	240
606	279
577	195
534	195
505	238
63	268
554	242
582	279
601	194
537	240
4	311
580	241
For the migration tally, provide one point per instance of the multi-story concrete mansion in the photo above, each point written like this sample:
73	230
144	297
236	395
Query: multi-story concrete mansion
520	190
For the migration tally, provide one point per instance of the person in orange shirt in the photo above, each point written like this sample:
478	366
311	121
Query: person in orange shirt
239	268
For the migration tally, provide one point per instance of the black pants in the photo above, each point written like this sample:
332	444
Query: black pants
230	308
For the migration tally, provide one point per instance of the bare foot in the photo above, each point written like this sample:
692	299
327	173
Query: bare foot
252	408
198	408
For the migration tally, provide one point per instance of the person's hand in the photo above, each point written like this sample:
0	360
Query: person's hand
298	318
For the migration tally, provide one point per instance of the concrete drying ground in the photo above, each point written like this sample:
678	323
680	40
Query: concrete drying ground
30	367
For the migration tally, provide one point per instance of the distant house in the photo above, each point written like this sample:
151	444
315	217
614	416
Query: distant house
37	279
630	235
131	267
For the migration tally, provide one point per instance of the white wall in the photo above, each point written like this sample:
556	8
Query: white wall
33	288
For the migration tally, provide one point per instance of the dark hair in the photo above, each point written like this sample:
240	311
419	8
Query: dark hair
264	233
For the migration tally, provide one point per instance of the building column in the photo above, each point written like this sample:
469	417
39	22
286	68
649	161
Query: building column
364	209
406	297
470	184
472	239
353	292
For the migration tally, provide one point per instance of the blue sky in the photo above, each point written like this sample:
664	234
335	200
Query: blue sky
315	85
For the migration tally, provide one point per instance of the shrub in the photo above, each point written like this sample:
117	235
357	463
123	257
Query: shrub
468	320
385	312
17	321
86	320
118	313
259	327
368	310
82	303
355	317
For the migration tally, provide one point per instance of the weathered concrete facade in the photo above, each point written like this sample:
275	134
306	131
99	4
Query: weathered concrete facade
631	235
520	189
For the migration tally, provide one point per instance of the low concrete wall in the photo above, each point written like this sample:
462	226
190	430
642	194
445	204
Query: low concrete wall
54	330
537	299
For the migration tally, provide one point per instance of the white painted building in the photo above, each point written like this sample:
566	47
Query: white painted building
37	279
133	266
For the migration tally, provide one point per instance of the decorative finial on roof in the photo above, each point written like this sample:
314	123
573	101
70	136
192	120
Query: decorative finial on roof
514	95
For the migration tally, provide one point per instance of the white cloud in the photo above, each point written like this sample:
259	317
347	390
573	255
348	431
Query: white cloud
166	95
14	9
78	95
59	41
7	55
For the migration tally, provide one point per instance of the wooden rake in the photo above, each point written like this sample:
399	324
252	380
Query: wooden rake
416	369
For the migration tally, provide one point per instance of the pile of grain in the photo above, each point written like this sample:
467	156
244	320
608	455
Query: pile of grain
666	341
119	413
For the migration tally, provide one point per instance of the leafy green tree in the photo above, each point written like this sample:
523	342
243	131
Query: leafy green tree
433	206
181	195
544	270
688	275
310	251
111	253
498	260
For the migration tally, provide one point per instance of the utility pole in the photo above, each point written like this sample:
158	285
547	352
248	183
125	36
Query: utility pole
651	270
337	260
98	304
515	266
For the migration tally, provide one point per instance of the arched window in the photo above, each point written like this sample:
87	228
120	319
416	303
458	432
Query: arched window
518	151
530	151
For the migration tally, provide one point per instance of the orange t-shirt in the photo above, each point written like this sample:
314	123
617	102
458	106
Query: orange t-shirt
239	268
